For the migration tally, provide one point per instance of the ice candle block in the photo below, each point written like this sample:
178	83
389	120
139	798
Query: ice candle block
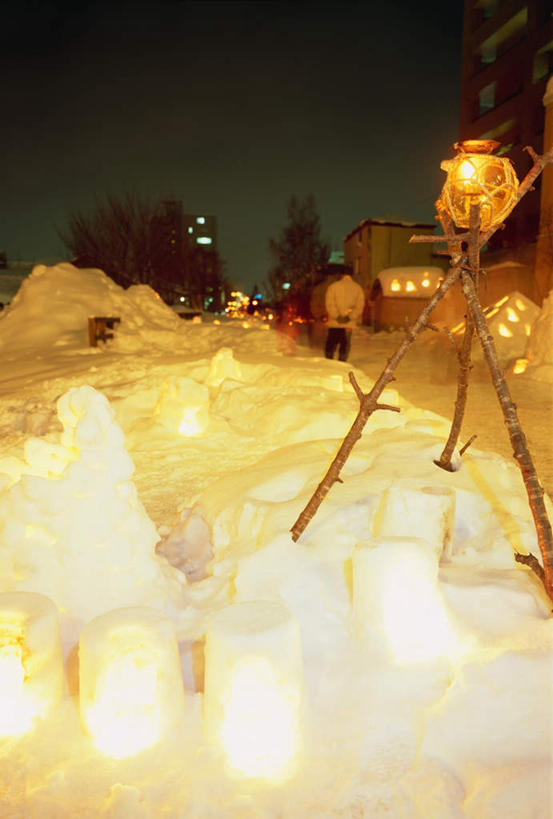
253	688
397	601
131	688
31	663
426	512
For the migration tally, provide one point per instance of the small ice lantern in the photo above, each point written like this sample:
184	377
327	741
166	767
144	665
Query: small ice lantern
131	689
31	663
183	406
253	688
426	512
397	600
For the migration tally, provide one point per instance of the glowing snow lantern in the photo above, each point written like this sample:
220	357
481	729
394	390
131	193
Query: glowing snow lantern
183	406
520	366
425	511
504	331
131	690
410	286
476	176
395	286
31	664
253	688
397	601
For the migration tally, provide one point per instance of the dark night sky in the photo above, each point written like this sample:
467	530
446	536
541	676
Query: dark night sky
231	107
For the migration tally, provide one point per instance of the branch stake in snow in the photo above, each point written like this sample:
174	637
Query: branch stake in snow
480	191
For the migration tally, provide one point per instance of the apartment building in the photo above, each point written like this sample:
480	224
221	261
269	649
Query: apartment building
506	62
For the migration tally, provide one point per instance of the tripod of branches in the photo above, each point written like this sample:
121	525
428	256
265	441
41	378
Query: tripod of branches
464	251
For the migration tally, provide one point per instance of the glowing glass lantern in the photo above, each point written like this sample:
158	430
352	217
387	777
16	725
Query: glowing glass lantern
253	688
131	689
31	663
476	176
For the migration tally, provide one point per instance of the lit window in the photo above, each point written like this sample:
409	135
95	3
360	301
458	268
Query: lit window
204	240
191	230
543	62
200	220
486	99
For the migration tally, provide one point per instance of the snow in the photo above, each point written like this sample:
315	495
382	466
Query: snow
164	469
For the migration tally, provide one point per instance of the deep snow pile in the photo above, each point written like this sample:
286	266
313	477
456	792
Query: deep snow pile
238	438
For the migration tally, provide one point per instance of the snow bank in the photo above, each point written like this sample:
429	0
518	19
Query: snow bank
465	733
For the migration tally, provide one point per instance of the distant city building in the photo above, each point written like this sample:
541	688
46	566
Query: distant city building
376	244
200	229
507	58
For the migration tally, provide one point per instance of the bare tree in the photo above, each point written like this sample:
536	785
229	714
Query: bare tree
129	240
299	251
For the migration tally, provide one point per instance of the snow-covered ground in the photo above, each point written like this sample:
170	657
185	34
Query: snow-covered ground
164	470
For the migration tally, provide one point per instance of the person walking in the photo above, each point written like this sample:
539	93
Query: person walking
344	302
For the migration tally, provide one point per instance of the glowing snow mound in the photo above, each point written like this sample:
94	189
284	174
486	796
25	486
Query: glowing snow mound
509	322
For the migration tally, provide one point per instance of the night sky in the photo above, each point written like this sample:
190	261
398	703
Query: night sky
230	107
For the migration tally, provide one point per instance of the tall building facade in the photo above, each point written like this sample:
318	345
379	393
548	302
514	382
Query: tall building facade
507	59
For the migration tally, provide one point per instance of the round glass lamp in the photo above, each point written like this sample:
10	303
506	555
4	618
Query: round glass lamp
477	176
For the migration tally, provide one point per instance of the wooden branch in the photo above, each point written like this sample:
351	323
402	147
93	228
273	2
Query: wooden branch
540	162
533	562
368	406
468	443
518	441
463	355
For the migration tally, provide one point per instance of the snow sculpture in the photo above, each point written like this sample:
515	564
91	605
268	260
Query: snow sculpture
253	688
71	521
131	690
427	512
31	666
397	601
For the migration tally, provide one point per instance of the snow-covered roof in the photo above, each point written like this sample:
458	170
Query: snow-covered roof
416	281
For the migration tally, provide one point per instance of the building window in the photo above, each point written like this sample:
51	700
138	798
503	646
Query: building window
204	240
543	62
497	132
488	51
200	220
486	99
359	237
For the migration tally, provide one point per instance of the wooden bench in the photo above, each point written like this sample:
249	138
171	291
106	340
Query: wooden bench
98	327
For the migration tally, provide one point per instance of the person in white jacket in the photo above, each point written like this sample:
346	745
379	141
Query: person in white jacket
344	302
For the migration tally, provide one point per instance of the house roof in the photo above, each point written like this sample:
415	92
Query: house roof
390	223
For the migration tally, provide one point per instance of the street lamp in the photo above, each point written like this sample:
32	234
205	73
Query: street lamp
477	177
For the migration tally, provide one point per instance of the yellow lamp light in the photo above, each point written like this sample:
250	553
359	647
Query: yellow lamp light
131	689
476	176
253	689
31	664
